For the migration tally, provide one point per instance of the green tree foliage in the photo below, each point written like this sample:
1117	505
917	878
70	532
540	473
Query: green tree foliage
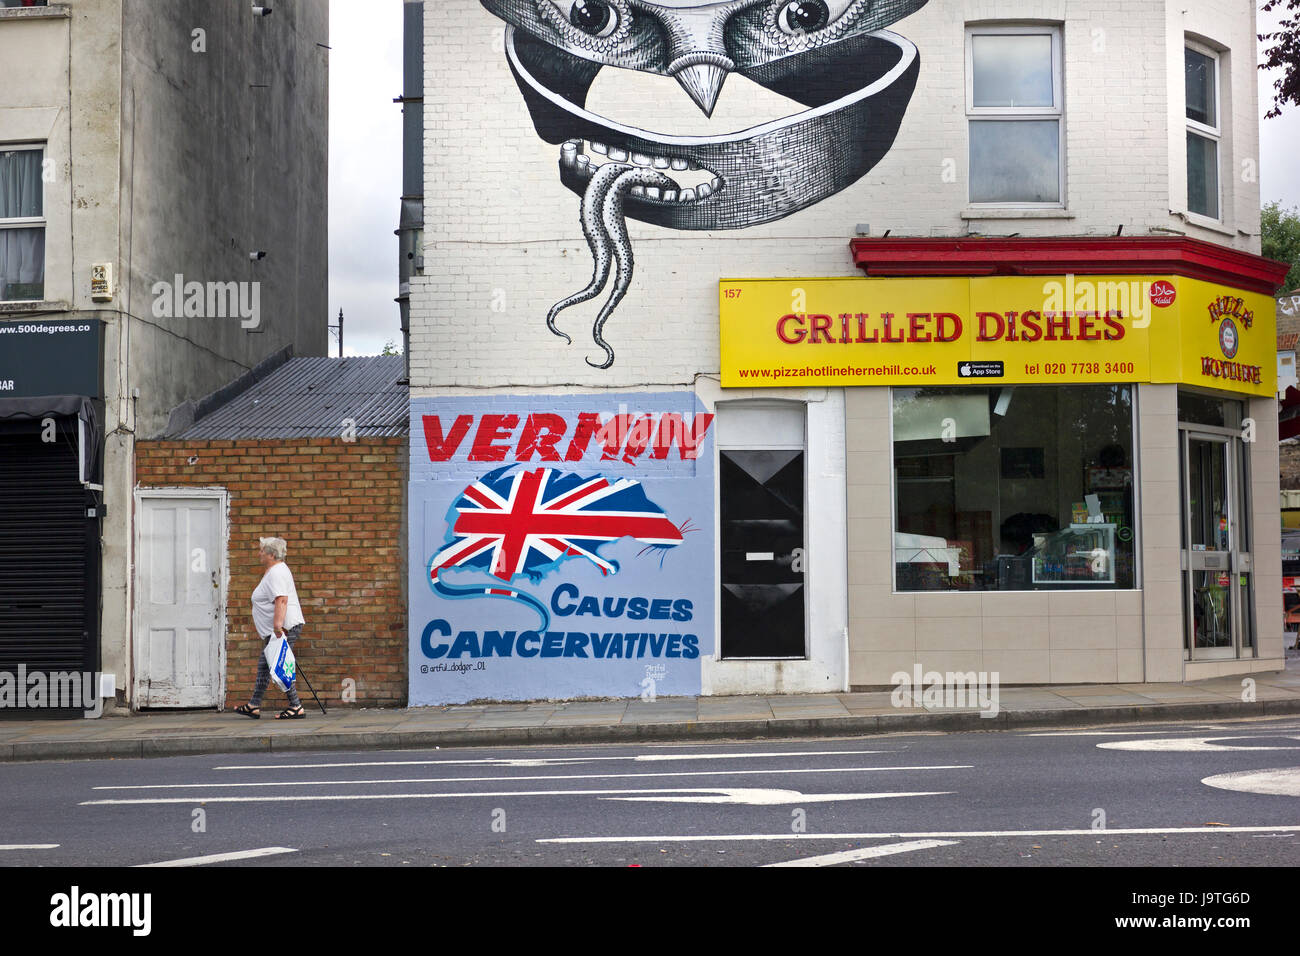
1282	52
1281	239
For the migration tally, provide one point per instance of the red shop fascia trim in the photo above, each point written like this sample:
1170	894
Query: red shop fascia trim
1078	255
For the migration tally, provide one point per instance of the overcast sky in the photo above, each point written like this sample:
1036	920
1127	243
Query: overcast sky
366	167
365	171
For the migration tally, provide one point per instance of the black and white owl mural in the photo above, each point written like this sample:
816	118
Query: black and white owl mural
850	77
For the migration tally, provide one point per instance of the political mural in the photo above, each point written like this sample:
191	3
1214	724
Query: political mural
561	546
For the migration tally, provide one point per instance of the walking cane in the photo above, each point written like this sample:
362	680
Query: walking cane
299	672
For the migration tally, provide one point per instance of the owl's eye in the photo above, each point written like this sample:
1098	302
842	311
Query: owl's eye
594	17
803	16
596	25
808	18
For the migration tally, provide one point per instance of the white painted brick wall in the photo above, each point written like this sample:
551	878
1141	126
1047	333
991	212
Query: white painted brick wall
503	241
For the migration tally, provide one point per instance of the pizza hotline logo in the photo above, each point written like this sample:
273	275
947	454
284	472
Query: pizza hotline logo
1232	316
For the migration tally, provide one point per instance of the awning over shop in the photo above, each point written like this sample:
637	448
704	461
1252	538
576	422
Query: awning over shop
80	407
1065	255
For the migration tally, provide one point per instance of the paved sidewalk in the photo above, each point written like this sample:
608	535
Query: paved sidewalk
624	721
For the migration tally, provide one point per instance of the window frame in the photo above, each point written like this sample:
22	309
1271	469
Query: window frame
1018	113
1214	134
30	222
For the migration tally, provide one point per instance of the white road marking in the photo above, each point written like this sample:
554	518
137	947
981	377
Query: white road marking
28	846
772	798
794	753
1100	733
223	857
1192	744
551	761
1282	782
1127	733
946	834
608	794
867	853
566	776
1288	725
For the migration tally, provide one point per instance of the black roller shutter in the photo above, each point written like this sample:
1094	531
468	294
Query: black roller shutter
49	554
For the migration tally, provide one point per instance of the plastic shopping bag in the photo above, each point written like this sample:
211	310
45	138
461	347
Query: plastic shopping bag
279	657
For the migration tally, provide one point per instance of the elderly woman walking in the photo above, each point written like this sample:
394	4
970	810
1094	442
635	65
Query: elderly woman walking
276	611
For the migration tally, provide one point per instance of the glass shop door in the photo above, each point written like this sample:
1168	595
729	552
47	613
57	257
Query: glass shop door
1216	560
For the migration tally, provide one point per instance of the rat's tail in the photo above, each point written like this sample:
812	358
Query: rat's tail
447	591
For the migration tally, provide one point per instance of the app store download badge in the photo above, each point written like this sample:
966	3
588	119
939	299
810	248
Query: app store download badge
980	369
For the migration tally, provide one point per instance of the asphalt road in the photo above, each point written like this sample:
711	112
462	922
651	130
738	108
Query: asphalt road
1127	795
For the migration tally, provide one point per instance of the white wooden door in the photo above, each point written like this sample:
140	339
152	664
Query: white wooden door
180	613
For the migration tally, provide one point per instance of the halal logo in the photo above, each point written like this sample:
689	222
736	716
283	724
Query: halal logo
1228	340
1162	293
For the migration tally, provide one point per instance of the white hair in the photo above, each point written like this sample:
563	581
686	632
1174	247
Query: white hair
275	547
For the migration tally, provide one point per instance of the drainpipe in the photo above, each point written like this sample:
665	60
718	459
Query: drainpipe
410	228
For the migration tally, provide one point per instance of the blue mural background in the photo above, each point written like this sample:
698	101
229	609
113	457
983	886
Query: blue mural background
641	628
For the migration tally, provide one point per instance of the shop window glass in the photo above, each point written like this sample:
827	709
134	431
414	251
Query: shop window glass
1014	488
1014	108
1197	409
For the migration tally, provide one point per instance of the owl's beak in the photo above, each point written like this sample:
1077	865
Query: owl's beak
703	83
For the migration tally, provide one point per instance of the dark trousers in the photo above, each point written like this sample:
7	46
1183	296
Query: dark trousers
264	673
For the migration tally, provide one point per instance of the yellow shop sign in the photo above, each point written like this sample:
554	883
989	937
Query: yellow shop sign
1013	329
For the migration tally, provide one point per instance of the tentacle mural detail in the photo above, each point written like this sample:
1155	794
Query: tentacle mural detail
597	236
611	216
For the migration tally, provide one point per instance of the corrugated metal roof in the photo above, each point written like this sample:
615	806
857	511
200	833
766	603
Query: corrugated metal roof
310	398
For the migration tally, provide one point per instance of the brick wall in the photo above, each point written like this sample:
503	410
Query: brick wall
340	508
1290	469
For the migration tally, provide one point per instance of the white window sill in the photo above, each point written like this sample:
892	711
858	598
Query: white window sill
1014	212
55	11
1202	222
35	305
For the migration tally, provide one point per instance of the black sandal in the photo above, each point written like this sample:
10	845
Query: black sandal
254	712
291	713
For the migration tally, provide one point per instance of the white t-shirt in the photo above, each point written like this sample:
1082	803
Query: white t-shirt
276	582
